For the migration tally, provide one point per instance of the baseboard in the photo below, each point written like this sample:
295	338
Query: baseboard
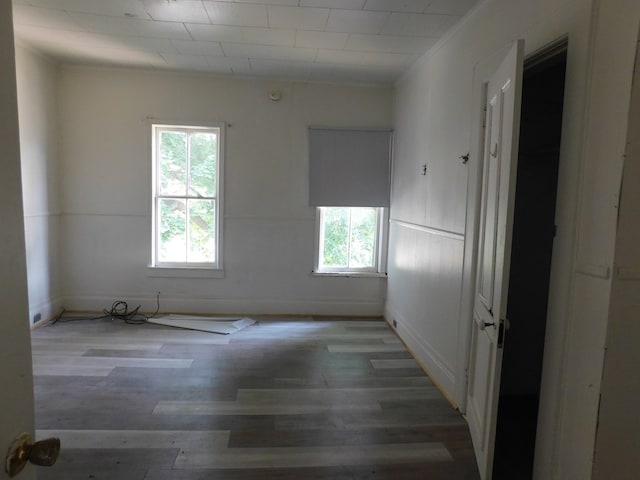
428	358
226	306
47	310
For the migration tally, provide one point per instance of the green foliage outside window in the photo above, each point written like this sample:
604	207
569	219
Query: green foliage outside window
349	237
187	168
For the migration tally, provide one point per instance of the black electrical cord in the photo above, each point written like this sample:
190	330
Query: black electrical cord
119	311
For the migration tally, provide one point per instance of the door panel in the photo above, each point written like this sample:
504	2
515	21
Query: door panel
504	90
16	394
489	212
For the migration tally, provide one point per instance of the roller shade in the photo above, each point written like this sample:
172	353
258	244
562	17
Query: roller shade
349	167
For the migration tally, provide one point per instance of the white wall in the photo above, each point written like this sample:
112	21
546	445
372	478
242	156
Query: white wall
268	227
37	107
432	232
433	115
618	441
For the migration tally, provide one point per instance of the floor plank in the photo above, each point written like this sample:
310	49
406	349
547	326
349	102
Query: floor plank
286	398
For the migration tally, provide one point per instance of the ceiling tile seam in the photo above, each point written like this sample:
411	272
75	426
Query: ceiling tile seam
207	13
429	6
326	22
384	24
269	20
184	25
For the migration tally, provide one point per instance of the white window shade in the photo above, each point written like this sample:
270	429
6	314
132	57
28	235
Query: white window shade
349	167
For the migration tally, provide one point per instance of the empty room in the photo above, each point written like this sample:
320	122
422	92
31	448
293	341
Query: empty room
413	223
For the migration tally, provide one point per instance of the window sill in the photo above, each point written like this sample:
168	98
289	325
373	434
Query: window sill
184	272
349	274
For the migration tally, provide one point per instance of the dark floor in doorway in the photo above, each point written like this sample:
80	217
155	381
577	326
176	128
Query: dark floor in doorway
515	438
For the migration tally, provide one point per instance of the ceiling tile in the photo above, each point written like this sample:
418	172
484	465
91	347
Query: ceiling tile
388	43
243	15
184	11
357	74
351	21
84	47
298	17
131	26
290	3
203	63
40	36
415	6
269	52
342	4
237	65
115	8
260	36
368	41
418	24
330	40
192	62
365	58
189	47
146	44
450	7
44	17
280	68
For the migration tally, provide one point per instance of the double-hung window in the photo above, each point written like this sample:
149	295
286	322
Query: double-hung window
349	184
187	165
350	239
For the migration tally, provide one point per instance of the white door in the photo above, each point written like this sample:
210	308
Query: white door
16	380
504	90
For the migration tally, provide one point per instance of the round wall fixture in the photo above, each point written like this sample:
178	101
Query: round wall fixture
275	95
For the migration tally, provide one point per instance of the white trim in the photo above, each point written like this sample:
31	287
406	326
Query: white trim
349	274
442	372
231	306
593	270
430	230
627	274
168	269
379	268
184	272
47	308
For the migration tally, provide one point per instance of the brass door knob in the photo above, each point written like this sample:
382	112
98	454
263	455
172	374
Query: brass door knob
23	450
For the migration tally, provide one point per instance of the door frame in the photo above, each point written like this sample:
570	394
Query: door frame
482	71
16	376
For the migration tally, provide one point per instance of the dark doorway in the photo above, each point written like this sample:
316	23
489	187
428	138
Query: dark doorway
533	233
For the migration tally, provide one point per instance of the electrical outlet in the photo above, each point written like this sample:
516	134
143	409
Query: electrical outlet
37	317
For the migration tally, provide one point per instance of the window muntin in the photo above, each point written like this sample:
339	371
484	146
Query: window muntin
187	164
349	239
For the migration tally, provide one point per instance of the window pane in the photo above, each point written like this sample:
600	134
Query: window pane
202	231
173	163
172	230
335	251
363	237
203	152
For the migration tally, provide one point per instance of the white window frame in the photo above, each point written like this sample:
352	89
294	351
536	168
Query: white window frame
380	255
177	269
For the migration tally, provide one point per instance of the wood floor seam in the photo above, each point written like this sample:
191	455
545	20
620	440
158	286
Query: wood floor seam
285	399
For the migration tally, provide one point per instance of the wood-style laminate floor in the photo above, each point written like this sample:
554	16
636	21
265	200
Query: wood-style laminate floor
286	398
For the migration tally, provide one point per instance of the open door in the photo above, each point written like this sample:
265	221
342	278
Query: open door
502	118
16	393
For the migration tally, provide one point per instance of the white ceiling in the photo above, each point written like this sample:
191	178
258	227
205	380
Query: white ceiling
364	41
